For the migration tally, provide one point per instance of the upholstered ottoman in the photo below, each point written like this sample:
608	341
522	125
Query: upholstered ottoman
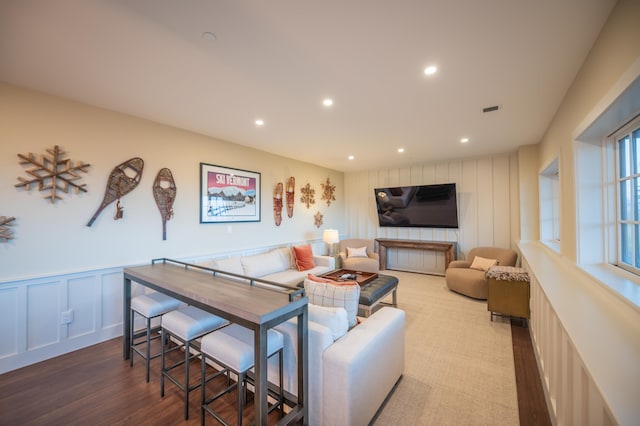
508	291
375	291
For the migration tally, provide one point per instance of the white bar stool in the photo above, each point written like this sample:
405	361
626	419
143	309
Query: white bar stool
232	348
186	325
149	306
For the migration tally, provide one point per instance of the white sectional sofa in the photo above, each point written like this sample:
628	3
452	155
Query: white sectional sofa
350	373
276	265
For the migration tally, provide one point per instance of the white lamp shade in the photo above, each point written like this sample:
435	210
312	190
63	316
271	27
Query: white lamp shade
330	236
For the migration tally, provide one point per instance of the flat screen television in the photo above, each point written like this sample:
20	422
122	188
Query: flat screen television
423	206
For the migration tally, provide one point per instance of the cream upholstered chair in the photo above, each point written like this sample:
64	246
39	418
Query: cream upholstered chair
461	278
353	257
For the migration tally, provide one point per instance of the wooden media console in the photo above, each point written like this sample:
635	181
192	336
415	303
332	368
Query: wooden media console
448	247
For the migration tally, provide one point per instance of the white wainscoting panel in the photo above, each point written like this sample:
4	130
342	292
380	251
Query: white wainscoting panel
31	313
9	320
488	207
44	306
586	341
31	309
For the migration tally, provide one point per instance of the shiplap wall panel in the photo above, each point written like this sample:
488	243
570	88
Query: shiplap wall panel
488	207
468	209
514	198
501	197
485	201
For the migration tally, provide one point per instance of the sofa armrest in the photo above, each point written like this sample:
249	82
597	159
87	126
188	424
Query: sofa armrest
373	255
362	367
459	264
319	339
328	261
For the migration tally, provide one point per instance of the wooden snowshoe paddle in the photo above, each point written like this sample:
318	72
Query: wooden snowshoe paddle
120	184
291	192
164	191
277	203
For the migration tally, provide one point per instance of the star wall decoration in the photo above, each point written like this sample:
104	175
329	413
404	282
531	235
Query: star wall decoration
52	172
328	191
308	195
6	233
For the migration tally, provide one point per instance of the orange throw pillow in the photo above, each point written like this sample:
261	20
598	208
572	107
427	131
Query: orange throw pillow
303	257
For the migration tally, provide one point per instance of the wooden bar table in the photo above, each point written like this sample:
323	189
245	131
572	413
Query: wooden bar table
248	303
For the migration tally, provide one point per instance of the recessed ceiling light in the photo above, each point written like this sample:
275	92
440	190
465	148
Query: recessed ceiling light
464	140
259	122
327	102
400	150
351	157
208	35
430	70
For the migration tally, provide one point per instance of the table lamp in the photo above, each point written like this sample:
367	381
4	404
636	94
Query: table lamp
330	236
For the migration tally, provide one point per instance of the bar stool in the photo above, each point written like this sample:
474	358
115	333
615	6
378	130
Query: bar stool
185	325
232	348
149	306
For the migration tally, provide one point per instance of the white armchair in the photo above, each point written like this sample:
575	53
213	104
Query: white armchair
352	255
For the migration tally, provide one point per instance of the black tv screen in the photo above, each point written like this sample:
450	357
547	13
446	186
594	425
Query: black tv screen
423	206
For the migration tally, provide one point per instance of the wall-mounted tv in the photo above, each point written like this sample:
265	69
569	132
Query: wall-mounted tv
423	206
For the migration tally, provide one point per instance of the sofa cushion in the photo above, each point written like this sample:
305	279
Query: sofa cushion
332	295
231	264
293	277
264	264
331	317
357	252
482	264
303	256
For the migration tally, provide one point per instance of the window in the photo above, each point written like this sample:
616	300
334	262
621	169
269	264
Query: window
628	185
550	205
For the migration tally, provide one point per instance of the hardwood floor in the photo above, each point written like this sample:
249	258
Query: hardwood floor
95	386
532	405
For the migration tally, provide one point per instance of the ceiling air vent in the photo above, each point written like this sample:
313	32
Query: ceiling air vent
491	108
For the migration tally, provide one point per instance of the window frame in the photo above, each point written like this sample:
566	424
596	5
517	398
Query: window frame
628	131
549	199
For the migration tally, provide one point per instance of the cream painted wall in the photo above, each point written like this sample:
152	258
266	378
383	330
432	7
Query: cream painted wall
528	190
53	239
616	49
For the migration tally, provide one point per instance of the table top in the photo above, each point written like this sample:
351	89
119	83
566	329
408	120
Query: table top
229	298
361	278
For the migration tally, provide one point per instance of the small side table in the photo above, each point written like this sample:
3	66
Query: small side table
508	293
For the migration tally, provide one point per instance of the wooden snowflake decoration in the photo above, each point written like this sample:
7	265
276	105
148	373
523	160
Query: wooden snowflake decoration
328	191
308	195
317	220
52	172
6	233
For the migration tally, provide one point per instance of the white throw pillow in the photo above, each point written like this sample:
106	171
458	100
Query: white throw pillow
231	264
332	295
357	252
260	265
333	318
482	264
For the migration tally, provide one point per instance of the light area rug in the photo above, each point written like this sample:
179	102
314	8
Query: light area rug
459	367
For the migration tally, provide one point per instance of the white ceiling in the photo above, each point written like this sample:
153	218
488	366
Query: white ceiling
278	59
